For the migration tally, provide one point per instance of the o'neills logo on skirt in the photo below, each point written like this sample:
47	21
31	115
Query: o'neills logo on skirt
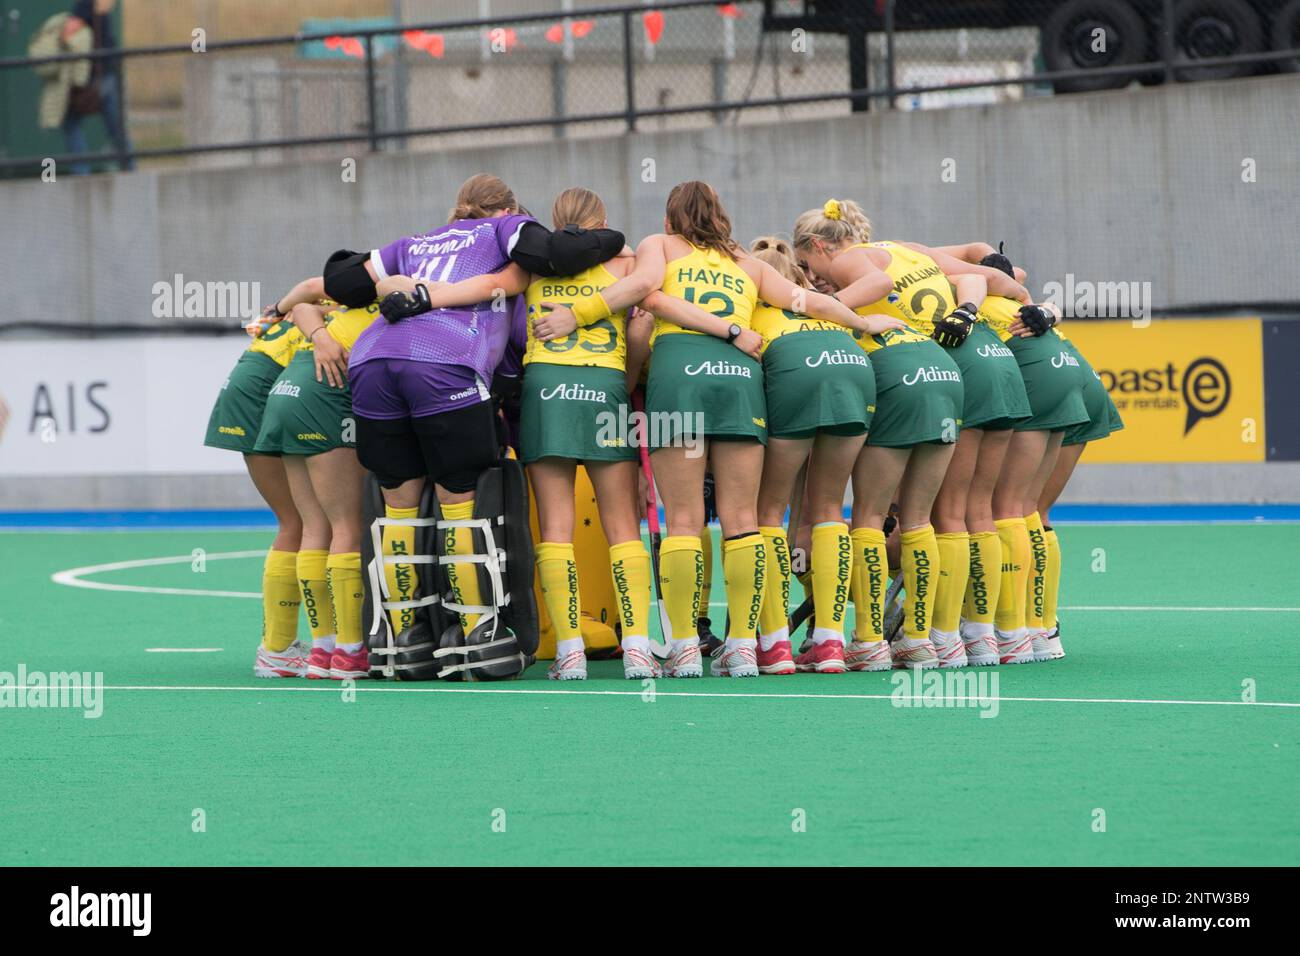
572	393
719	368
932	374
838	357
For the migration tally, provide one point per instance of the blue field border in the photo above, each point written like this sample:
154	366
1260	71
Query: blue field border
259	518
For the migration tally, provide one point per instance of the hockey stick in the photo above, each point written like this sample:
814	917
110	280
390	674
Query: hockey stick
792	535
660	648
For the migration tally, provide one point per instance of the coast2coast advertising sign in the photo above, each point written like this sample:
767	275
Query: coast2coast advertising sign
1187	389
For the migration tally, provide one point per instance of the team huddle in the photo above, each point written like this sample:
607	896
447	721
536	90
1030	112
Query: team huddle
389	408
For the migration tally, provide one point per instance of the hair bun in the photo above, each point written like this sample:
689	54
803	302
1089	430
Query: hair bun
832	209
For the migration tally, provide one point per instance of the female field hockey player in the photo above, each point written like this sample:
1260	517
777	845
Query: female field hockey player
1103	420
706	407
821	395
309	424
235	421
919	407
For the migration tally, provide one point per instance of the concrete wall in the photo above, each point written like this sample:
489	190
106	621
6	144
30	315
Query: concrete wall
1134	186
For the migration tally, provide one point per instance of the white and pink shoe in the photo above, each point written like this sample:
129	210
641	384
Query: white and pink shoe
981	648
949	648
735	658
868	656
914	652
684	659
1047	645
639	664
1016	647
570	666
290	662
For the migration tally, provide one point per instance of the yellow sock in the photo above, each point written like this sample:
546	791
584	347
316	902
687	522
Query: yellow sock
463	577
1052	590
744	566
629	565
985	581
706	582
920	561
1036	583
558	572
832	554
312	580
954	571
681	576
403	585
1010	613
280	600
774	618
870	582
343	575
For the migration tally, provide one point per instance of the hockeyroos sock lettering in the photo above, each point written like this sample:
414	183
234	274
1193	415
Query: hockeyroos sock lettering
954	570
1052	582
401	579
920	562
629	564
462	575
681	576
744	565
706	553
316	596
280	600
832	551
870	571
343	577
1035	582
557	570
773	618
1010	614
985	582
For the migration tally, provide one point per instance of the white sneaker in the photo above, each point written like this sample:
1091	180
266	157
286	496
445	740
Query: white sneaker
639	664
913	652
735	659
290	662
981	648
868	656
572	666
1016	647
1047	645
949	648
684	660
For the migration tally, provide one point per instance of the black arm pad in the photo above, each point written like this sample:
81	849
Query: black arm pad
346	280
564	253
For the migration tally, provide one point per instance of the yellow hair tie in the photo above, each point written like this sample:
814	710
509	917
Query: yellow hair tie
832	209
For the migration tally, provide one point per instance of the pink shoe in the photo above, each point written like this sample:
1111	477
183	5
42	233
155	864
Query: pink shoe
318	664
345	666
778	660
824	658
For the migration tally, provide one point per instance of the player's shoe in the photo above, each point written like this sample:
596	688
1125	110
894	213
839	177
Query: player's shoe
290	662
684	660
709	642
1016	647
914	652
824	658
571	666
640	664
778	659
1047	645
318	663
738	660
346	666
950	649
868	656
981	648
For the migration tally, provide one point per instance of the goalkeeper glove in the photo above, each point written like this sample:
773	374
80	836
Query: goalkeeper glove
401	305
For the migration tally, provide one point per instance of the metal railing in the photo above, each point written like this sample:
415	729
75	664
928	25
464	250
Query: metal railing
854	90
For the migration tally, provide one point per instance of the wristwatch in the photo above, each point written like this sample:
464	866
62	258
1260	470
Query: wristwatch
733	333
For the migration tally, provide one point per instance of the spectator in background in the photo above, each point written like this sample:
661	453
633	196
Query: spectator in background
103	94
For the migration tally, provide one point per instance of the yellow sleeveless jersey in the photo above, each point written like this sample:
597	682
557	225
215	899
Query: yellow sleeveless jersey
602	344
772	323
713	282
921	294
999	313
279	342
345	325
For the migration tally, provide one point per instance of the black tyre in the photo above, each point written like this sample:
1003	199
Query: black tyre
1286	35
1083	34
1211	28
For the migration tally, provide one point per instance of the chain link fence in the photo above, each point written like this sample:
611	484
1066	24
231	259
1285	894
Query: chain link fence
376	78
